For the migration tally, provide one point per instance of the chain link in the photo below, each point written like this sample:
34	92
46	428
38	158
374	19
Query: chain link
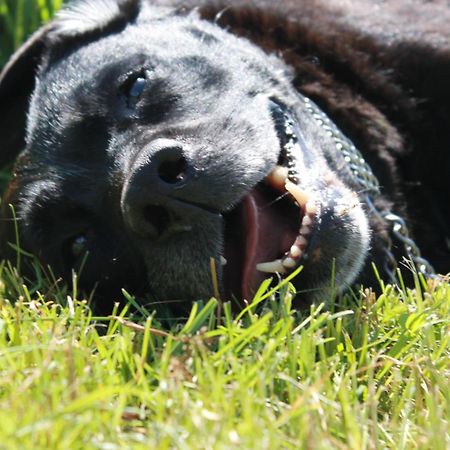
360	170
365	178
401	233
390	262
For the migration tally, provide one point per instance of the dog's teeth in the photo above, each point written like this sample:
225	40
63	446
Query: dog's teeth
311	207
306	221
298	193
223	261
271	267
289	263
304	231
296	251
301	242
277	178
305	227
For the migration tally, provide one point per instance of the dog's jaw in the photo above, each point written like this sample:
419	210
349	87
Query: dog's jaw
327	231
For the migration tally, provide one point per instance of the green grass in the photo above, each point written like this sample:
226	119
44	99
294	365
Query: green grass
18	18
370	373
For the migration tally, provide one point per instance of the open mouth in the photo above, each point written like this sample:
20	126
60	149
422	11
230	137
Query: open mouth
272	230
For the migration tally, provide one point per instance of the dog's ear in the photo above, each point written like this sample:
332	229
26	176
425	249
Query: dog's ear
16	84
86	17
81	20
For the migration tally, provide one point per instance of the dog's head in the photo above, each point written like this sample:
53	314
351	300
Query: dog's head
150	142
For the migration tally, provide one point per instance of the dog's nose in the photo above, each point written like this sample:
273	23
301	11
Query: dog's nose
171	168
149	202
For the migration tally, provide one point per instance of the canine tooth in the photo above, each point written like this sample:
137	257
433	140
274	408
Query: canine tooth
277	178
311	207
271	267
289	263
295	251
223	261
298	193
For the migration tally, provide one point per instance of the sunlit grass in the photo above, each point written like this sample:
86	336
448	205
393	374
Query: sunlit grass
18	18
372	374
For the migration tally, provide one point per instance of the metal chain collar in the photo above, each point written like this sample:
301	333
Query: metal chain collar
365	178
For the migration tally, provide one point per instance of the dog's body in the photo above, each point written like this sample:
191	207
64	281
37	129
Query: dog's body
156	141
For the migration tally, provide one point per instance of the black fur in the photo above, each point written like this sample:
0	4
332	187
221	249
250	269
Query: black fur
153	181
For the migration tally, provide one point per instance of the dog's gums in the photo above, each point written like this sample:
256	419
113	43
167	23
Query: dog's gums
150	138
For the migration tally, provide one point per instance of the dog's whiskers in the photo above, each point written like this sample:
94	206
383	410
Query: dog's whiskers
6	219
219	15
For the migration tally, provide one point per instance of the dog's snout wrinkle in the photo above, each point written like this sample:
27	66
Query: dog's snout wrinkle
157	217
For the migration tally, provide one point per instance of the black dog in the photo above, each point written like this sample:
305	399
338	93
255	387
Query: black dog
151	142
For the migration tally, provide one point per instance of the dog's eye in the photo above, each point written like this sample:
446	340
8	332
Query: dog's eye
76	247
79	245
134	87
137	87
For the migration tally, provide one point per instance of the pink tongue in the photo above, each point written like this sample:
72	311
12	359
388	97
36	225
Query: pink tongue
268	237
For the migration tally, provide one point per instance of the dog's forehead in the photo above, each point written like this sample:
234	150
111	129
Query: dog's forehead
184	50
166	41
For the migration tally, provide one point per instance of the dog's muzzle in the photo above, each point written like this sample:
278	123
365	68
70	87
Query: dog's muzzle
155	200
290	218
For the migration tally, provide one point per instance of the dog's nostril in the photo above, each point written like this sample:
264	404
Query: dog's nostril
157	217
174	171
